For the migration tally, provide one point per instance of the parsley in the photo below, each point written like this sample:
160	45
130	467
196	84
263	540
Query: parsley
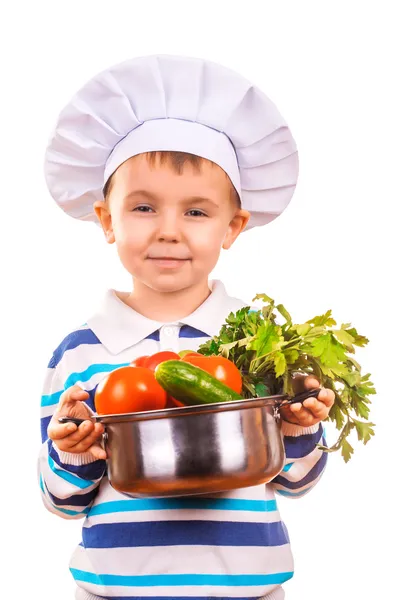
268	353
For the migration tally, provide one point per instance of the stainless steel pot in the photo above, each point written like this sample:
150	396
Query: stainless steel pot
195	450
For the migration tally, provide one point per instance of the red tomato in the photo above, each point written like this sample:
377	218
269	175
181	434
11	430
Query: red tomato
140	361
172	402
219	367
184	353
153	361
127	390
175	402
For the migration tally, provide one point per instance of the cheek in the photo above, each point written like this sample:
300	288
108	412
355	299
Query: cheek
208	241
130	240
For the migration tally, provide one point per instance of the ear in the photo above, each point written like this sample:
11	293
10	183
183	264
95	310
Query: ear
236	226
104	216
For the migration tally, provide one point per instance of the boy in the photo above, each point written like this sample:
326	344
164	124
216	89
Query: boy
167	154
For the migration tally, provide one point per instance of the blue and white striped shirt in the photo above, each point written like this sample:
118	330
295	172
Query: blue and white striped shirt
231	545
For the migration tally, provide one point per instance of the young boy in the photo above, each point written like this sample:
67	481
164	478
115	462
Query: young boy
174	158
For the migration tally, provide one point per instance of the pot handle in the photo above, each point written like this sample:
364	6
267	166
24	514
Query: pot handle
63	420
300	397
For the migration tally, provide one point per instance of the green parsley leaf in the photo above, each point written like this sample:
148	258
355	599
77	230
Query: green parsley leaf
269	355
347	450
261	390
284	313
345	337
280	364
264	298
303	329
267	339
364	430
359	340
325	320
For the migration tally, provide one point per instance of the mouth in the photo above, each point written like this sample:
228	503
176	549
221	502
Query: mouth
168	261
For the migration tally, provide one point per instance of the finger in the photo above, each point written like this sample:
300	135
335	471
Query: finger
87	439
72	395
299	410
70	441
321	405
57	431
327	397
78	448
304	417
85	444
98	452
311	382
84	429
288	415
318	409
301	382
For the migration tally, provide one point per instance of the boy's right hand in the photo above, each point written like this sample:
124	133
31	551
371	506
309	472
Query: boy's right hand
68	437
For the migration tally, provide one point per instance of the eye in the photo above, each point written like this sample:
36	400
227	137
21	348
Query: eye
198	213
142	208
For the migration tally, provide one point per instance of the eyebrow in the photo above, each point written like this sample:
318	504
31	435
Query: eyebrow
188	200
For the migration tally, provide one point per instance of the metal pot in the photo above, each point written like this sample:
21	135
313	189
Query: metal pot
200	449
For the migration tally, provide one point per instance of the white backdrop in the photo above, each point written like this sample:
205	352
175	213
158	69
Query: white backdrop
332	70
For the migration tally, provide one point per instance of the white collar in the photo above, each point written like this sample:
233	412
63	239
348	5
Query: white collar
119	326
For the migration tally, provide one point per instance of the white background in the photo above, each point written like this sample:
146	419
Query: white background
332	70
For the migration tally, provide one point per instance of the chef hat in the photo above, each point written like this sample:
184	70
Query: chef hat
179	104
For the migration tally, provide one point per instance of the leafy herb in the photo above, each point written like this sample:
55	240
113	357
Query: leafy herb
269	353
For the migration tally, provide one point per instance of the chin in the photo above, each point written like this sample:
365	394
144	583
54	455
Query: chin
169	283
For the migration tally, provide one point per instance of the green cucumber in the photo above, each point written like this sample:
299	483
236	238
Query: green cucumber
192	385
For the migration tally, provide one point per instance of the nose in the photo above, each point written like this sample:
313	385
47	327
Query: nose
168	228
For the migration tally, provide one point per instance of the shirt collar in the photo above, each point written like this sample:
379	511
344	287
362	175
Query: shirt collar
119	326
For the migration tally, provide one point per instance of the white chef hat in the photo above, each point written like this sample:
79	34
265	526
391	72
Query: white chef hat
172	103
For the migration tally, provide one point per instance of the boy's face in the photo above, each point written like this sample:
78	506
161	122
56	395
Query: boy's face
169	228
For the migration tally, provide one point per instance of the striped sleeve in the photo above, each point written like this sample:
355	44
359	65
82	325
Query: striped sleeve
68	490
68	482
304	464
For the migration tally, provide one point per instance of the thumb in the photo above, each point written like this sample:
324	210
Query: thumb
73	395
302	382
98	451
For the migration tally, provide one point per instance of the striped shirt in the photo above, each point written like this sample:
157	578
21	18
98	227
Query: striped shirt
230	545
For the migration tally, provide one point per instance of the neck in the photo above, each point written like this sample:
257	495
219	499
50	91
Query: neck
165	306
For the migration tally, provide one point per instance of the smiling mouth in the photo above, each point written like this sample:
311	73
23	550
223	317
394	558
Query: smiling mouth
169	262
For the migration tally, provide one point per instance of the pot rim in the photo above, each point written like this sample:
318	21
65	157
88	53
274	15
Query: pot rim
181	411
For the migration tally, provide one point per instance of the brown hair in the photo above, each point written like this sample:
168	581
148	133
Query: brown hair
177	160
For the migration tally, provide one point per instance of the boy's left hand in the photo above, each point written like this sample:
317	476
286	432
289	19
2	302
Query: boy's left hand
312	410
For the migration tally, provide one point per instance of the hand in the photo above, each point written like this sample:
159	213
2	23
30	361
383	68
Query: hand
68	437
312	410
